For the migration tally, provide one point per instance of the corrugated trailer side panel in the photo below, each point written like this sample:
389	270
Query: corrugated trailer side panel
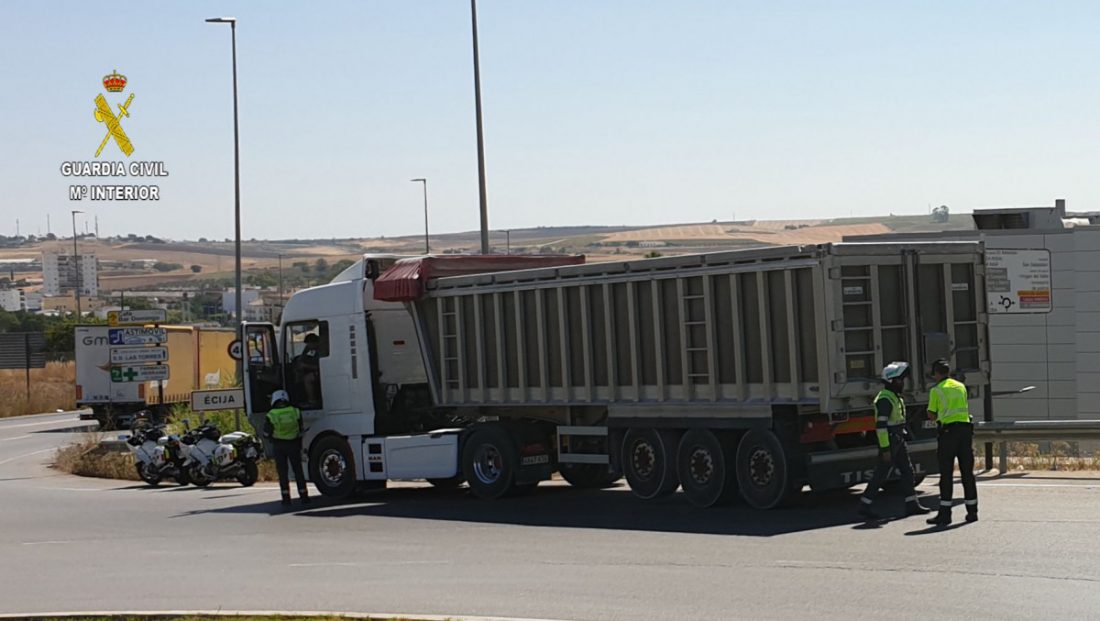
735	332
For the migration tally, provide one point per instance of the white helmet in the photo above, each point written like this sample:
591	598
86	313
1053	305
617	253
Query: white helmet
279	395
895	370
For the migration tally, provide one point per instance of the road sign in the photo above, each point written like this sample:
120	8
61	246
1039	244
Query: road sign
136	317
131	355
22	350
226	399
137	336
148	373
235	351
1018	281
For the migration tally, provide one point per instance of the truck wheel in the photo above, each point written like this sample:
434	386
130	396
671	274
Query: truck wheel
588	476
702	465
250	472
649	462
489	462
762	470
332	467
149	477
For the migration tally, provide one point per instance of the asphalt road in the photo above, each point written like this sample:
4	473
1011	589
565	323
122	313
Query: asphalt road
70	543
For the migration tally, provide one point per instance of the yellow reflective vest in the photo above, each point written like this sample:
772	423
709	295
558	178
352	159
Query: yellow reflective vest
948	400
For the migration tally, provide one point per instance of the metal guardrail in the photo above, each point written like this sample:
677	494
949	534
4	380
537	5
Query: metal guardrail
1033	431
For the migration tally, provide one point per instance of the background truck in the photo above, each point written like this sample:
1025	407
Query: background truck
197	358
748	372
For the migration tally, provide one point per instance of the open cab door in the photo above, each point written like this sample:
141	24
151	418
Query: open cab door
263	373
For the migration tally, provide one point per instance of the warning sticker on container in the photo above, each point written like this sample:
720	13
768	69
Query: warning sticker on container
1018	281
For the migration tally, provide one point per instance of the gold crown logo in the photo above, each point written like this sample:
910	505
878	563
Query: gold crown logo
114	83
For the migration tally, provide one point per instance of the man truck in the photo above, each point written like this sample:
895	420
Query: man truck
748	373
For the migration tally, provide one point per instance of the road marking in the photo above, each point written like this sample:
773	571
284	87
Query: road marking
346	564
45	543
11	459
44	423
1079	486
28	435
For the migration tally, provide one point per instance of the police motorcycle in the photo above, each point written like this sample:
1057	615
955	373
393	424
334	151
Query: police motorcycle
212	456
157	455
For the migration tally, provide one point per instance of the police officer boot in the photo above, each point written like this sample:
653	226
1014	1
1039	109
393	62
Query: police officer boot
943	518
303	495
866	512
971	515
286	497
914	507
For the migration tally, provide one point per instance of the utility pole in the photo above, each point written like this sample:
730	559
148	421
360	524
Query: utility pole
427	246
480	137
48	231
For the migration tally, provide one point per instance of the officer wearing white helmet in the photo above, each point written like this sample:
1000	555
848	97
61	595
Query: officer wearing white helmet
284	427
890	431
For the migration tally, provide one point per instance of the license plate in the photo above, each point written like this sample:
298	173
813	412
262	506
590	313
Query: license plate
532	460
929	424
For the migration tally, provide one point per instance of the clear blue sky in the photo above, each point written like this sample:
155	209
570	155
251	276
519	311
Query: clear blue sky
596	112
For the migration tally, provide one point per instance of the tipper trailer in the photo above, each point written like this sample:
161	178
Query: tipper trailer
747	372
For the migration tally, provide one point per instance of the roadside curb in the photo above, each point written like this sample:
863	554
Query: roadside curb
166	614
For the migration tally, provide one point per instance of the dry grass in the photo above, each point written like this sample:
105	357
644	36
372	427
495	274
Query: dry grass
87	459
1065	456
52	388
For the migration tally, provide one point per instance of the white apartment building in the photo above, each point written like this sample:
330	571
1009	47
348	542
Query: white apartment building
13	300
59	275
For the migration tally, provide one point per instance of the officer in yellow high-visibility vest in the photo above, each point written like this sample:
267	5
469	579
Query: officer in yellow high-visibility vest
947	405
284	428
890	430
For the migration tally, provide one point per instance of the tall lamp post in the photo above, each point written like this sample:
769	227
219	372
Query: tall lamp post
76	268
232	21
427	246
480	138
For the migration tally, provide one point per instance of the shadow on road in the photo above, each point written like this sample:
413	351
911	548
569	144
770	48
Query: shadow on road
560	506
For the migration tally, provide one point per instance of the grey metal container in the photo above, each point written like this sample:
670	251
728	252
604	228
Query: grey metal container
736	332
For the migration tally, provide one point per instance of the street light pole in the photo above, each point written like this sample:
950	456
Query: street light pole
76	268
232	21
508	241
427	246
480	137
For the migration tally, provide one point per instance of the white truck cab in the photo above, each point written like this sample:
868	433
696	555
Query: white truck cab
352	365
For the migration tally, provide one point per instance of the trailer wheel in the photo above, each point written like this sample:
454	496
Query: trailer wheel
489	462
649	462
762	470
589	476
332	466
702	464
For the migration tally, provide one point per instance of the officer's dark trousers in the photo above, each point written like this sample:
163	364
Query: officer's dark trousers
288	454
899	454
956	441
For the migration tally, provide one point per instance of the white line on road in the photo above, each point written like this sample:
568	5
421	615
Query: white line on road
11	459
26	435
44	423
373	564
1079	486
45	543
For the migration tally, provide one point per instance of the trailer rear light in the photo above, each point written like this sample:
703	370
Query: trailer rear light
141	390
79	392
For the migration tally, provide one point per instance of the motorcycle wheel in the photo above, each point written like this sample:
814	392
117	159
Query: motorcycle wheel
182	476
198	479
249	473
149	478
